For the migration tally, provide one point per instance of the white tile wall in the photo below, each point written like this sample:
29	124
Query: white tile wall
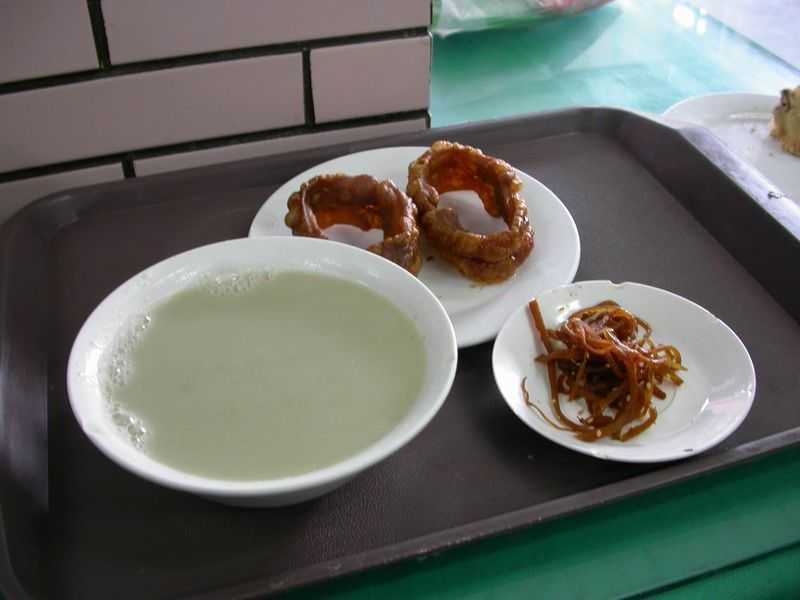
156	108
44	37
358	80
187	160
147	29
129	110
16	194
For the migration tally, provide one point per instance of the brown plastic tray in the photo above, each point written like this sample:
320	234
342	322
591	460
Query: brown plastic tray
671	208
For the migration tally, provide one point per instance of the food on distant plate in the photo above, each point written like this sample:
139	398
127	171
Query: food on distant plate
786	121
448	166
364	202
605	355
256	376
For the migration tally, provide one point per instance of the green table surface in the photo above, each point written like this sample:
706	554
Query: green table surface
731	534
642	55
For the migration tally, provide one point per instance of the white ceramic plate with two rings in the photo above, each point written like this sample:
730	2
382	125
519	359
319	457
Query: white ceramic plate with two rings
717	393
743	122
477	311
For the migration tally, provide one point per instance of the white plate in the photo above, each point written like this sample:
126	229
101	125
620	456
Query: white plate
477	312
716	395
742	121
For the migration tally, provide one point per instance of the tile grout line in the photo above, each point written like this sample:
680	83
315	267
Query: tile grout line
208	144
308	90
128	168
99	34
110	71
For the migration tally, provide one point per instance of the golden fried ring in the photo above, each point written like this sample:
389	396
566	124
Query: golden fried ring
481	271
449	166
364	202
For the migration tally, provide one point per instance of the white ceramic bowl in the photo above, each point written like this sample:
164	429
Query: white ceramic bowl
275	254
715	397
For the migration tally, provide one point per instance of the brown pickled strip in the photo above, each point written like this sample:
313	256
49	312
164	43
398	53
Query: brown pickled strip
605	355
530	403
536	313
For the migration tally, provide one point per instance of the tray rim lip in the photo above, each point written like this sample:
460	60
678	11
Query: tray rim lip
515	521
785	212
498	524
755	185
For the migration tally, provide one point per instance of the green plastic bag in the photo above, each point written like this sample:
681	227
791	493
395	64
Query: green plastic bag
452	16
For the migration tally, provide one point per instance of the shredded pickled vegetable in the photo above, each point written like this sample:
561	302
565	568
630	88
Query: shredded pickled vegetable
605	355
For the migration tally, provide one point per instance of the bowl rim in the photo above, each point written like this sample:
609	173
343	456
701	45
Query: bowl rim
138	463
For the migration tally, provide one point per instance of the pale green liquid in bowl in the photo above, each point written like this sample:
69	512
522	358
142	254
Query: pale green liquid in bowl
288	375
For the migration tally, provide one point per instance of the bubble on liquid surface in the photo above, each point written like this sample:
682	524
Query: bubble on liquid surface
115	372
116	363
233	284
130	426
115	369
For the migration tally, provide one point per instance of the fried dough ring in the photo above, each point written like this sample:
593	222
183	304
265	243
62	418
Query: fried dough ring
364	202
786	121
448	166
